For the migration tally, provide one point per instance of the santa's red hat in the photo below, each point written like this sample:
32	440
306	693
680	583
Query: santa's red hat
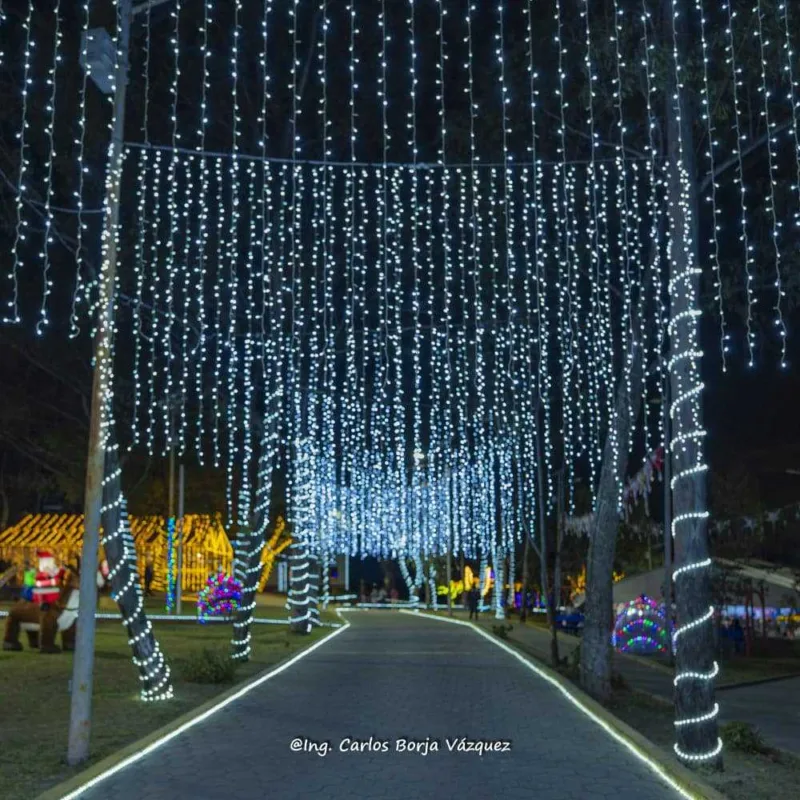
44	554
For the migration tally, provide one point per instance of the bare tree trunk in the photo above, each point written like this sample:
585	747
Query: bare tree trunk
523	614
126	587
562	513
542	551
598	616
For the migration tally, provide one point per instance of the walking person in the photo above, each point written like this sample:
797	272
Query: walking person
148	579
474	600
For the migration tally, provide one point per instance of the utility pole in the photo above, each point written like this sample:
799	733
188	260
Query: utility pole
449	544
80	720
667	517
171	519
180	529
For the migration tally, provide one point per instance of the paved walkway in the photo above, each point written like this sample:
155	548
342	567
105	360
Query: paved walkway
392	676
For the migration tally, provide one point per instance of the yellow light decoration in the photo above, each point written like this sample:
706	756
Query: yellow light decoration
577	584
206	545
276	544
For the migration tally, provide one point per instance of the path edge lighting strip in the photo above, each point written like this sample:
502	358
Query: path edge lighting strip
654	766
138	756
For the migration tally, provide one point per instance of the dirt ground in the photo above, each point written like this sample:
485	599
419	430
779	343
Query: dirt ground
745	776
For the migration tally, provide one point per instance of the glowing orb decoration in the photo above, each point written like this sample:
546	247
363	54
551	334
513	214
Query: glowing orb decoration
641	628
221	597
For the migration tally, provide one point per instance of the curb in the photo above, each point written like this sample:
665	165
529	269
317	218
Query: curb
73	787
675	774
755	682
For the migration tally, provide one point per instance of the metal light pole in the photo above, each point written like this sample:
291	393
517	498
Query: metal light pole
667	517
178	578
83	662
171	517
80	720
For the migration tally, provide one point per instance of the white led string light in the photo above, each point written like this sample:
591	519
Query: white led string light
565	266
623	205
655	264
793	99
749	250
20	236
139	260
486	386
52	80
171	251
155	320
706	113
202	237
770	207
80	143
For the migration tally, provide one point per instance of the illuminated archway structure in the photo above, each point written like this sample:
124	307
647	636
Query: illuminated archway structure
390	249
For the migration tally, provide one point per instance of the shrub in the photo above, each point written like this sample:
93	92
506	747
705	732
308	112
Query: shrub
743	737
502	630
208	666
618	682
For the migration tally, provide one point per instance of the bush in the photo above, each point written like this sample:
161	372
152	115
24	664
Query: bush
744	738
208	666
502	630
618	682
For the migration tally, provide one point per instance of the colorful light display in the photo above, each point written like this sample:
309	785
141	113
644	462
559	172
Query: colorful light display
641	628
221	597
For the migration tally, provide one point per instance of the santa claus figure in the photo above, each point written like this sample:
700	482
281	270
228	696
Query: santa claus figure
48	580
53	610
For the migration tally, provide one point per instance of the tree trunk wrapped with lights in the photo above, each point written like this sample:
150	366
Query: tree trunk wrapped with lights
696	711
499	581
303	571
412	584
251	541
126	589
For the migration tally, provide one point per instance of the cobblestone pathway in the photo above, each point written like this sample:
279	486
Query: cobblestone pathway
388	678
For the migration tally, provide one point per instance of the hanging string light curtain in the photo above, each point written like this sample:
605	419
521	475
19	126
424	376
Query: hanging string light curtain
425	256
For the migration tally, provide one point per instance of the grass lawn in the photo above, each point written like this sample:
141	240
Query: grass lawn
35	699
268	606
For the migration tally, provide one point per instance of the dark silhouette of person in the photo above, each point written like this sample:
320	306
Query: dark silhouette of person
474	601
148	579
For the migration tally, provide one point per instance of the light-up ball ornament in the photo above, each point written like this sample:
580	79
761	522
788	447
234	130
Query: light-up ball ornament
641	628
221	597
